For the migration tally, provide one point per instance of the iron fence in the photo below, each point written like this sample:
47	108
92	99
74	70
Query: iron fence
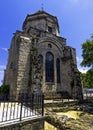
88	93
26	106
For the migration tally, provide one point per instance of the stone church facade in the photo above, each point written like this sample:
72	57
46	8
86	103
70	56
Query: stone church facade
40	60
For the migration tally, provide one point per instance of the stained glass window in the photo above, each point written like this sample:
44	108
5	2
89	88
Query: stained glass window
49	67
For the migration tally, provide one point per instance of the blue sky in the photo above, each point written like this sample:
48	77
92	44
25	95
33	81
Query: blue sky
75	20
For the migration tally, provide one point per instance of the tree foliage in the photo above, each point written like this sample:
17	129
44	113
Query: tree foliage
87	79
4	89
87	54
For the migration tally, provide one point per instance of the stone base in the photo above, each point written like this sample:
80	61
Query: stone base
34	124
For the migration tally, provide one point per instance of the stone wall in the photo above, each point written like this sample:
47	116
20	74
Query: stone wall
10	76
23	64
35	124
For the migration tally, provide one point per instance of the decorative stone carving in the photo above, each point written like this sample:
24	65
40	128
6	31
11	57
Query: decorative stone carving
36	75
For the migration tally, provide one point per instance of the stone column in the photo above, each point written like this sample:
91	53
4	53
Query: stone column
44	73
36	72
55	74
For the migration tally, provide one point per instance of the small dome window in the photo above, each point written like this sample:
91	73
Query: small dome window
49	29
49	46
11	65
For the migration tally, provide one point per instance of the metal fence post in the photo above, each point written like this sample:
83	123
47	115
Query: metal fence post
21	110
32	102
42	105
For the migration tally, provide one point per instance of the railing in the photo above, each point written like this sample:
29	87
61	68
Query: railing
88	93
27	106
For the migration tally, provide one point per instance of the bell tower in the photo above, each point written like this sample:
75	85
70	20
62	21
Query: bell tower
41	21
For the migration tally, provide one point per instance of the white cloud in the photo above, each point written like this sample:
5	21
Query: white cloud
2	67
83	70
5	49
1	76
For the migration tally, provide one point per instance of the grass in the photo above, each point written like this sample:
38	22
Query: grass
79	119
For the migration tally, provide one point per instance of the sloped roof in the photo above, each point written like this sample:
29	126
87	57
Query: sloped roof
42	12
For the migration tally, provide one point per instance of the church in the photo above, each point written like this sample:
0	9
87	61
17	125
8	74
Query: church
40	61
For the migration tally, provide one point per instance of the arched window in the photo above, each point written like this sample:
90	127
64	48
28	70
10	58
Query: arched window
49	46
49	67
58	70
40	57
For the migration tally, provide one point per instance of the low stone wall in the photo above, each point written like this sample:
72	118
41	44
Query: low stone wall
34	124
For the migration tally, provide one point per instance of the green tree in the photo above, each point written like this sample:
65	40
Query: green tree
84	83
87	79
4	89
87	54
